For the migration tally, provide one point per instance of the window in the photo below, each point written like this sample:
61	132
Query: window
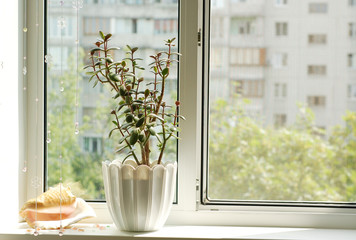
352	3
316	70
351	60
280	3
351	91
280	90
247	56
242	26
352	29
92	25
281	29
217	27
123	26
166	26
259	169
92	145
280	120
250	88
134	25
318	7
317	39
261	149
316	101
279	60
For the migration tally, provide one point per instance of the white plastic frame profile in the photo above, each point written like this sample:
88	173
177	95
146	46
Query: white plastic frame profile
189	210
189	95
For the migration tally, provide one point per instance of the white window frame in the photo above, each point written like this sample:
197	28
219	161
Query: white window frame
192	208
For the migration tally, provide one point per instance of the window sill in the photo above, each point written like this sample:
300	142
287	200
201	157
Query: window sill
108	231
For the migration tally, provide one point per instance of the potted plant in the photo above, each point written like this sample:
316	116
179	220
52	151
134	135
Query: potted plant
139	188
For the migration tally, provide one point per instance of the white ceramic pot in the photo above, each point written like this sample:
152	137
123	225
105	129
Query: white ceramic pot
139	198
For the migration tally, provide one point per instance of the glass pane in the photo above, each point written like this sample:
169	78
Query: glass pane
282	109
132	23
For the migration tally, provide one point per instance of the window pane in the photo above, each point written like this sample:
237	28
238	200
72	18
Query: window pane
282	109
141	24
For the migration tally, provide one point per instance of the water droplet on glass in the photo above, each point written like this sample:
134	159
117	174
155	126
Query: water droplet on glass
61	2
76	131
48	140
24	88
35	233
60	179
24	169
24	70
36	99
37	24
24	57
61	89
25	29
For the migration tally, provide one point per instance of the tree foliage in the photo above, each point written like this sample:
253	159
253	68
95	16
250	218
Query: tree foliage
248	161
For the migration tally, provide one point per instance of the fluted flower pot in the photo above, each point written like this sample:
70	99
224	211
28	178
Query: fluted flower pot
139	198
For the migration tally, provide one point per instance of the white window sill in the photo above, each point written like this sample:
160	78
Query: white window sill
108	231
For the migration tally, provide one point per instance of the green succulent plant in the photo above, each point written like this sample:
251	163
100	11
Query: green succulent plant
141	112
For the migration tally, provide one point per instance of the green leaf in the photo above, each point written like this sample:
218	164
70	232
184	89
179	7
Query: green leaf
95	50
128	47
122	148
112	132
134	137
165	72
140	122
95	83
116	123
134	49
113	48
107	36
123	139
117	95
102	35
152	115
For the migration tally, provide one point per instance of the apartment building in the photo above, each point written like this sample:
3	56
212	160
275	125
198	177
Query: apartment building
281	53
276	53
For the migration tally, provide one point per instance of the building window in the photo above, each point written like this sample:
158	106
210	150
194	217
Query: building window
92	145
216	59
279	60
317	39
351	60
316	70
280	90
250	88
123	26
166	26
351	91
92	25
242	26
352	3
281	29
352	29
280	120
318	7
316	101
217	27
280	3
248	56
134	25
